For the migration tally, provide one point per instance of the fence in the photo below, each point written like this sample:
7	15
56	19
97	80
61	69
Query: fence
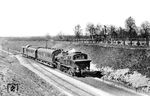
107	43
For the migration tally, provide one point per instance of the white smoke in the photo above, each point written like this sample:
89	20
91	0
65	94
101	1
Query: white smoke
93	67
72	50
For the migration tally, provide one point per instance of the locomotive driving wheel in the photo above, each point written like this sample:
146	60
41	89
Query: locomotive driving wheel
71	72
59	66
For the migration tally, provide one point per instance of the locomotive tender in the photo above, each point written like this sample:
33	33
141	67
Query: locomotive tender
74	63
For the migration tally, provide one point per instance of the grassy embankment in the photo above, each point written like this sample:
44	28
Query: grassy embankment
121	64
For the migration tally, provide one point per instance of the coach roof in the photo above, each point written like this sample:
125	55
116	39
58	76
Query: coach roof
46	50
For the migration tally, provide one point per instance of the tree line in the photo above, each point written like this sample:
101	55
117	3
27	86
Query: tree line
108	33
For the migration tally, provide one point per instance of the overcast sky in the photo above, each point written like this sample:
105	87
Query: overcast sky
41	17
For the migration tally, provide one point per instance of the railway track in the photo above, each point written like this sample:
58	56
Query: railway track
75	90
72	86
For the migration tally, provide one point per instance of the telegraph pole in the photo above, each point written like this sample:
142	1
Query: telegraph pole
46	43
47	37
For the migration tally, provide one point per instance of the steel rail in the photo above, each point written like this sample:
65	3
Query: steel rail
77	93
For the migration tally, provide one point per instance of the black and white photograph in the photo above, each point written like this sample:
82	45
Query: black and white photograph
74	48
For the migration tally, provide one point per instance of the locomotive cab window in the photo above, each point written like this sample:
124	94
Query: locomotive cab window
69	57
79	56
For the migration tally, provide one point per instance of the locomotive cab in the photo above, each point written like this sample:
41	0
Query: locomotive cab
82	65
81	61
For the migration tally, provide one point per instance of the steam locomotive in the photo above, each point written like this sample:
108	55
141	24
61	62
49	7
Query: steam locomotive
73	63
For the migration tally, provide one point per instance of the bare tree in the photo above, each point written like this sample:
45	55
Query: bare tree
131	27
98	29
146	27
106	32
60	36
122	34
113	32
78	31
48	36
91	29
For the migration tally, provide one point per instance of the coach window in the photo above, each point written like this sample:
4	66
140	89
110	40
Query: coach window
70	62
66	62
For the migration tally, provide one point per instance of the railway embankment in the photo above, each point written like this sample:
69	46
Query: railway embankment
17	80
128	66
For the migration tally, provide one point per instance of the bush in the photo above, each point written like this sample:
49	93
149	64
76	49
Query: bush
134	79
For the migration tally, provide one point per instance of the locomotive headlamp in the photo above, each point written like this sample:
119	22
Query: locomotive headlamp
87	68
77	68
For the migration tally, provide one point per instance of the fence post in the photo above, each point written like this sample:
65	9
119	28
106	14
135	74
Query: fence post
8	51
